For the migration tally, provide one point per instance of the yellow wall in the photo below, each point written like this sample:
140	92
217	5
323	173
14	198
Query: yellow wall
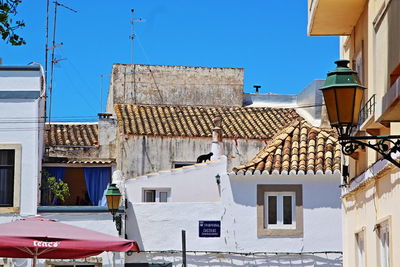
377	35
376	202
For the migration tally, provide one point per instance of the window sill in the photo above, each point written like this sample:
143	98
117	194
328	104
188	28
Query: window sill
83	209
280	232
4	210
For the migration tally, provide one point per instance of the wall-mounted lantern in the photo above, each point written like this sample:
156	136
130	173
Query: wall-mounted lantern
113	196
343	96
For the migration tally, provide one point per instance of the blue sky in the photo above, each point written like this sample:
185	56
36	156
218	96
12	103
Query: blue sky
267	38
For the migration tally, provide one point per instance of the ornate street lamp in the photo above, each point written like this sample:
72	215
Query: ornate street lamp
113	196
343	95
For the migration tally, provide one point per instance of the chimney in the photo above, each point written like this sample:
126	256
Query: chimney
257	88
324	118
216	146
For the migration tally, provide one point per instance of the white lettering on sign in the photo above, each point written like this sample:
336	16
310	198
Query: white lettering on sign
44	244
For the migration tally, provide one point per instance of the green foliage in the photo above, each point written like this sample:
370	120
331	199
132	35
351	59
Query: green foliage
8	8
55	190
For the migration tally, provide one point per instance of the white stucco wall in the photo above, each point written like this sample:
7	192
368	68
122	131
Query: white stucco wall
194	183
157	226
22	125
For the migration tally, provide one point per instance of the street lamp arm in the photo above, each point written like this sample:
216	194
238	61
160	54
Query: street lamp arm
351	143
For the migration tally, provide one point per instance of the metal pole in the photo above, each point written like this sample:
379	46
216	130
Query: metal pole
46	52
34	257
183	248
101	93
52	58
133	33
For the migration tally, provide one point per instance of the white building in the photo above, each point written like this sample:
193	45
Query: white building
280	209
22	92
22	132
22	100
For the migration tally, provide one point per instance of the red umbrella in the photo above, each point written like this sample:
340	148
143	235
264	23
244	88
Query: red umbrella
38	237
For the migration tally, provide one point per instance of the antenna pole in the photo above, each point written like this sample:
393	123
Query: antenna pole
132	37
132	33
46	52
47	41
52	58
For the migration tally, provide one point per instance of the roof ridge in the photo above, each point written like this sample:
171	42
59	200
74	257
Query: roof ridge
202	106
263	157
238	122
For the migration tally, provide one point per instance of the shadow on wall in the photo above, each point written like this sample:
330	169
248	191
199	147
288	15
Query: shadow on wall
225	259
132	231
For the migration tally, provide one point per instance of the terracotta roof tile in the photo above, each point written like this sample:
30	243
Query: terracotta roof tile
196	121
298	148
71	134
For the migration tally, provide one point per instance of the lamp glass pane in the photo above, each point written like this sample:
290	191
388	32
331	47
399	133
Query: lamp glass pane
345	104
330	102
357	104
113	202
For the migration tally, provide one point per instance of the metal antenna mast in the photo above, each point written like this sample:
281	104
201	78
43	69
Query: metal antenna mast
132	37
54	46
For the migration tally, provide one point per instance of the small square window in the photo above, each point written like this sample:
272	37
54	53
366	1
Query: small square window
156	195
279	210
163	196
149	195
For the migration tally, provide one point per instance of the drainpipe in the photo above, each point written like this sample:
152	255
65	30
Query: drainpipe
216	146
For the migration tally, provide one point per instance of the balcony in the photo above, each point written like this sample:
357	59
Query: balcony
391	104
367	110
333	17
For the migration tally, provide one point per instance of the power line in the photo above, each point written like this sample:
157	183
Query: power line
254	110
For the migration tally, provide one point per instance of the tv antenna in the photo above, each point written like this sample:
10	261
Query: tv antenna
132	36
52	48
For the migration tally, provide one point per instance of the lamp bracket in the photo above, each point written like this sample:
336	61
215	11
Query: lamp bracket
384	145
118	222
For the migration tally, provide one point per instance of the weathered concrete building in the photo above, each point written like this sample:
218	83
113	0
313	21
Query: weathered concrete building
175	85
155	137
164	115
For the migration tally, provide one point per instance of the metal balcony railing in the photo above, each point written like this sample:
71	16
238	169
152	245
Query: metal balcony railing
367	110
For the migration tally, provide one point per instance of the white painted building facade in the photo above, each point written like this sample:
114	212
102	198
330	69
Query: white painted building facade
194	195
22	100
22	126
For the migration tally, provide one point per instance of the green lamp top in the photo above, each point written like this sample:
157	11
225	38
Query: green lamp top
113	191
342	76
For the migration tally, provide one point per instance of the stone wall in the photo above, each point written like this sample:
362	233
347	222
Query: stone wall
175	85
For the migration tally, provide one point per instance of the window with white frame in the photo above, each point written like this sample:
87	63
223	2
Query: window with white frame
156	195
384	245
360	249
279	210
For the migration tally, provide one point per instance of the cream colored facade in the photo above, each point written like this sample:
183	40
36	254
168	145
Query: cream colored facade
370	39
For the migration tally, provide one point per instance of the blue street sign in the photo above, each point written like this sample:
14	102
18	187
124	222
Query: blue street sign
209	228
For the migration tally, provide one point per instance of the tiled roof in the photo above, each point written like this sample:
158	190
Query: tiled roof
71	134
196	121
299	148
